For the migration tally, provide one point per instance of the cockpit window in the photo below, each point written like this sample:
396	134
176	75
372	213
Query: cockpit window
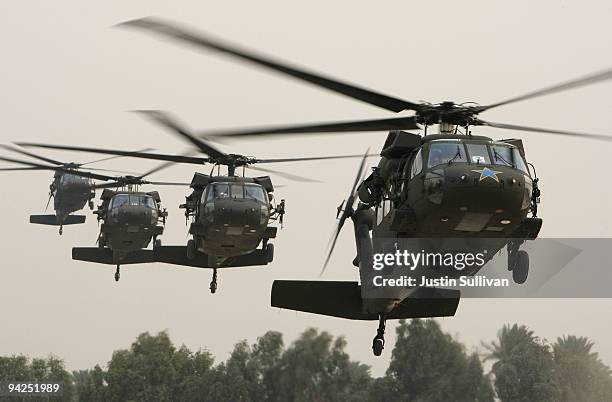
72	178
255	192
479	153
133	199
237	191
120	200
445	152
217	190
508	156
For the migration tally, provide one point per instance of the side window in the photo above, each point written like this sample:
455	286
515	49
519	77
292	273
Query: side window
417	165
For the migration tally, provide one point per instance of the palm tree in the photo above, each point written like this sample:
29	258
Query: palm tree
579	372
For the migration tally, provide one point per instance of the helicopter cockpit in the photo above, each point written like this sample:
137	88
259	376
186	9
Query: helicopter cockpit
235	190
121	200
73	180
478	153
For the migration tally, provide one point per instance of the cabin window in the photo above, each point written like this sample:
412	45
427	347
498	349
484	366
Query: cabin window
479	154
417	165
445	152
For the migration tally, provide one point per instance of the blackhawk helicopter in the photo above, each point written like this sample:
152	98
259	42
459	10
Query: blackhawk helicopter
70	190
231	214
449	183
131	218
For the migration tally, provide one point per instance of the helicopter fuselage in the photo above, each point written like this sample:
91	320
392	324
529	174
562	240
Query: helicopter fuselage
230	215
131	220
70	193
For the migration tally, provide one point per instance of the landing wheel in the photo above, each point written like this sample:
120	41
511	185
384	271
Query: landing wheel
213	283
520	271
378	343
117	274
191	249
270	252
61	230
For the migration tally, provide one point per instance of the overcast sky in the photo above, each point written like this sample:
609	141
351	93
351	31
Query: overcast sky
67	77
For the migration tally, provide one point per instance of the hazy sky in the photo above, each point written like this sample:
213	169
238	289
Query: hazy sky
67	77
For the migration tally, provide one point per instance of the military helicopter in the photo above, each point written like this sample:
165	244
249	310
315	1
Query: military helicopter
449	183
130	220
70	190
231	214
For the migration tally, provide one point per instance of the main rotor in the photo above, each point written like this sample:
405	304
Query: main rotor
426	114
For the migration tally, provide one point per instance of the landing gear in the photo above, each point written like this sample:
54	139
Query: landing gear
157	243
61	230
521	268
378	343
117	273
91	205
213	283
518	263
191	249
270	252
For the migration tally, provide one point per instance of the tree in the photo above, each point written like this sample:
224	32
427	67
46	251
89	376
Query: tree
579	372
20	368
316	368
523	366
90	384
429	365
153	369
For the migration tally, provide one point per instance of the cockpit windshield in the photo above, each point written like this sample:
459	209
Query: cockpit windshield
236	191
68	178
507	155
255	192
445	152
479	153
133	200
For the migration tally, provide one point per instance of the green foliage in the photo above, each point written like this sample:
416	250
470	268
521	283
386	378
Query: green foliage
524	366
579	372
429	365
20	368
426	364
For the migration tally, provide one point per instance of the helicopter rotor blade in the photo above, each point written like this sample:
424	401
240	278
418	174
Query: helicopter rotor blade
396	123
283	174
58	169
544	130
312	158
167	183
200	40
114	157
145	155
346	212
49	200
112	184
169	122
21	168
110	170
577	83
23	152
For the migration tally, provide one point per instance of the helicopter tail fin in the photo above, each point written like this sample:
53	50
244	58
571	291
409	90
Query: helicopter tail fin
343	300
53	221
